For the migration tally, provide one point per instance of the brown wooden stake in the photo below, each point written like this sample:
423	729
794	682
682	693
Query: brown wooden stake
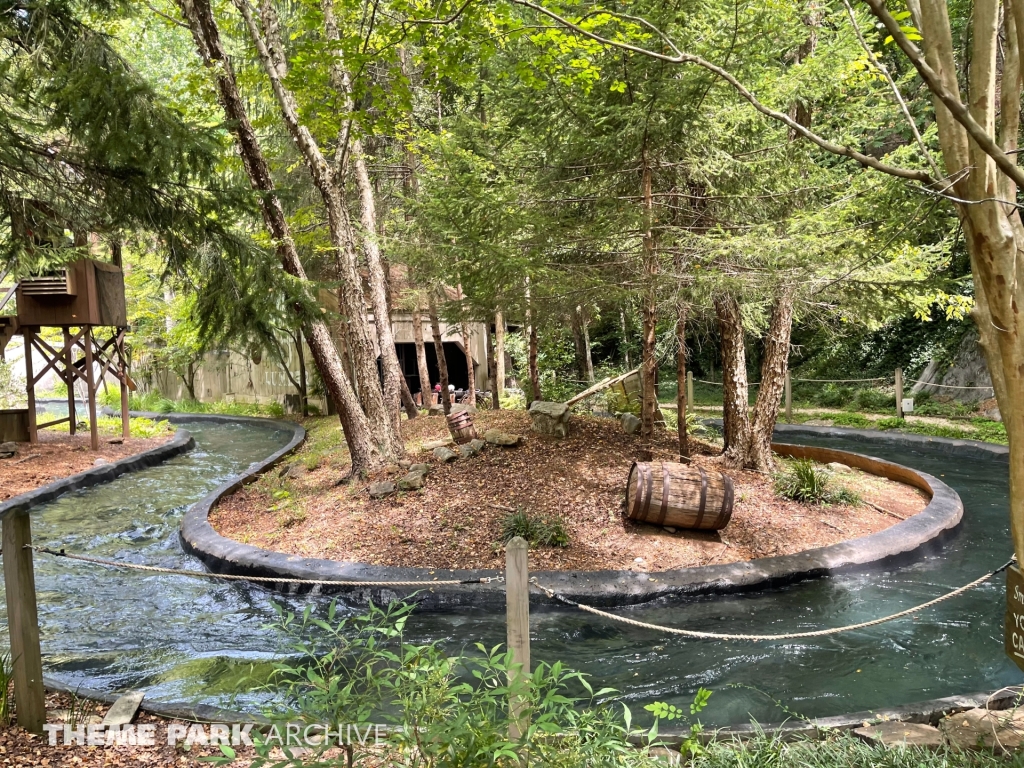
23	623
90	382
122	367
69	378
517	618
899	393
30	387
689	388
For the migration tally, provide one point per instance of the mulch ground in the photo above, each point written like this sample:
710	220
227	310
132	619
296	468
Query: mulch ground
58	455
455	521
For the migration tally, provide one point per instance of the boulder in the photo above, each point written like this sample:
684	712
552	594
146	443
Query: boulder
435	410
411	482
421	467
404	464
445	454
550	419
893	733
116	441
497	437
292	471
436	444
999	730
477	444
380	490
8	449
460	407
630	423
467	451
101	462
837	466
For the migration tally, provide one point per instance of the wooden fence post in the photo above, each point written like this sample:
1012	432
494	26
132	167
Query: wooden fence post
689	390
789	397
517	617
899	393
23	622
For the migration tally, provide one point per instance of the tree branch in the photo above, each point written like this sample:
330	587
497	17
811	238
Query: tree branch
680	57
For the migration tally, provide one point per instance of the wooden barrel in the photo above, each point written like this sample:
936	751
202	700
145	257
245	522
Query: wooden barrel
461	426
682	496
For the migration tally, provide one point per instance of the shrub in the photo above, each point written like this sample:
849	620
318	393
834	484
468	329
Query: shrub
832	396
618	402
874	400
539	530
850	420
138	426
437	710
807	481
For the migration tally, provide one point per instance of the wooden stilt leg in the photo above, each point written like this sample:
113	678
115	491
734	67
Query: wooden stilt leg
23	623
69	379
30	387
123	368
90	382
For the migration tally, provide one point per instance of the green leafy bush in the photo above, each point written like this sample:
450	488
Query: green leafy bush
874	400
832	396
539	530
138	426
617	402
439	711
850	420
807	481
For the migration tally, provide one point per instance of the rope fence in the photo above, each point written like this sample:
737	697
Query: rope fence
260	579
944	386
786	636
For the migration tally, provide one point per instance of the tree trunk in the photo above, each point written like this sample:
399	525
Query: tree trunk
407	400
495	404
303	383
588	360
365	447
735	415
442	363
499	356
649	360
421	356
576	323
470	368
681	404
625	338
774	364
531	354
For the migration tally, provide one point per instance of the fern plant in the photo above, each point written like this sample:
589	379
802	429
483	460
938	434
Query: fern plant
809	482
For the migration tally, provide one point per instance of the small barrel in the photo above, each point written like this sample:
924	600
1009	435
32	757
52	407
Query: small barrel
679	495
461	426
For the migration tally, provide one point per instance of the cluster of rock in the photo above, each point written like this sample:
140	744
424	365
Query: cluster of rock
416	473
550	419
7	450
998	730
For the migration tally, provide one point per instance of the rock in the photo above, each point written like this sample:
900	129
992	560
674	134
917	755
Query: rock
404	463
1001	730
837	466
445	454
497	437
391	469
421	467
467	451
670	529
894	733
630	423
666	755
436	444
477	444
411	481
101	462
292	471
380	490
460	407
550	419
435	410
116	441
8	449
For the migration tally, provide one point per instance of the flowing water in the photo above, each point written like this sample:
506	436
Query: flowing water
187	639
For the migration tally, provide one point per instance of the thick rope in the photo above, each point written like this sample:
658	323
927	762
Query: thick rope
788	636
944	386
261	579
843	381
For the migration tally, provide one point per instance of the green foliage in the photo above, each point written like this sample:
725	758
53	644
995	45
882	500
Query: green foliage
439	710
850	420
6	688
981	429
663	711
156	403
538	530
809	482
618	402
10	393
138	426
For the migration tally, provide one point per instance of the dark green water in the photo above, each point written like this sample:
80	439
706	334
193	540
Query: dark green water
187	639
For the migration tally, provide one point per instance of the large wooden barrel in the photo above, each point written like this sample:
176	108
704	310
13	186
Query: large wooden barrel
461	426
682	496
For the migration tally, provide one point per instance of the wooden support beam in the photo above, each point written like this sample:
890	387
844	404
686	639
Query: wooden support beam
90	381
69	379
30	387
517	618
123	370
23	622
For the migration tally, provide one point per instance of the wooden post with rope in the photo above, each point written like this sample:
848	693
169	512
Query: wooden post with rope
899	393
23	622
789	397
517	617
689	390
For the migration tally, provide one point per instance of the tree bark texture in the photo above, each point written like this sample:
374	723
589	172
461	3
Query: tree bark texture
470	368
735	414
366	451
649	359
421	356
774	364
499	355
442	363
492	381
681	404
531	351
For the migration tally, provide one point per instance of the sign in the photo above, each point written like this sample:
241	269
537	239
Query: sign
1015	615
908	405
